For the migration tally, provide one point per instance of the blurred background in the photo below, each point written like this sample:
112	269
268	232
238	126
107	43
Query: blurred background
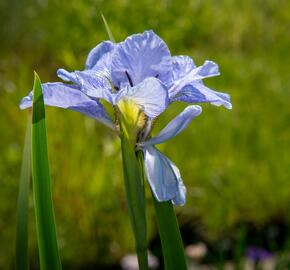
235	164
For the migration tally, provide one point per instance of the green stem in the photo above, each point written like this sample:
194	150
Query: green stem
171	241
135	199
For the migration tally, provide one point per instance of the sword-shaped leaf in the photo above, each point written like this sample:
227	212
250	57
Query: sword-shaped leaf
22	260
45	221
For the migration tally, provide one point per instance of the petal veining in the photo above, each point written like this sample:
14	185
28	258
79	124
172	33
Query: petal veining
70	97
100	55
163	177
141	56
175	126
198	92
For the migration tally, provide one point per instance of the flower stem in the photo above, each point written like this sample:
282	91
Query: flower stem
136	200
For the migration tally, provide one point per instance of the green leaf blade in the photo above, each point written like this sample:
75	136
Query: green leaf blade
45	221
109	32
22	258
171	241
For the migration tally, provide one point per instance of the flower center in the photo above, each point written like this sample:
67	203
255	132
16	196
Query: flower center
132	118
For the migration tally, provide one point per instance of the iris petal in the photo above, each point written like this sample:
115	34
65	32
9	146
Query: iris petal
70	97
141	56
208	69
95	83
198	92
67	76
188	85
100	55
180	197
150	95
175	126
163	177
182	65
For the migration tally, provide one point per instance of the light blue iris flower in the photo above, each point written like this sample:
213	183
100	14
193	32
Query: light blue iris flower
162	174
139	69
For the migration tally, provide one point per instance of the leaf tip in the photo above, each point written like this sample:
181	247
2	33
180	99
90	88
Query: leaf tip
37	81
35	74
109	32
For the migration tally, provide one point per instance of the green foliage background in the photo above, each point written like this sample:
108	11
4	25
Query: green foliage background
235	164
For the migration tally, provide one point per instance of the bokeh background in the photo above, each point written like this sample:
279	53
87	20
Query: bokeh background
235	164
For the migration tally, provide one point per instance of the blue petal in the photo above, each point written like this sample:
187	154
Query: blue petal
187	85
95	83
175	126
100	55
67	76
182	65
208	69
163	177
70	97
180	197
150	95
141	56
198	92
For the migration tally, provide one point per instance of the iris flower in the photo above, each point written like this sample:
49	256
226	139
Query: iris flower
162	174
140	78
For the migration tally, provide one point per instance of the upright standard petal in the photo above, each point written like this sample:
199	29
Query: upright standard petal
150	95
175	126
70	97
141	56
163	177
100	55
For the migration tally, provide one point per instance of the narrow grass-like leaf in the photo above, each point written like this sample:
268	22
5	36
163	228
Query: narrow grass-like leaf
45	221
171	241
109	32
22	259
